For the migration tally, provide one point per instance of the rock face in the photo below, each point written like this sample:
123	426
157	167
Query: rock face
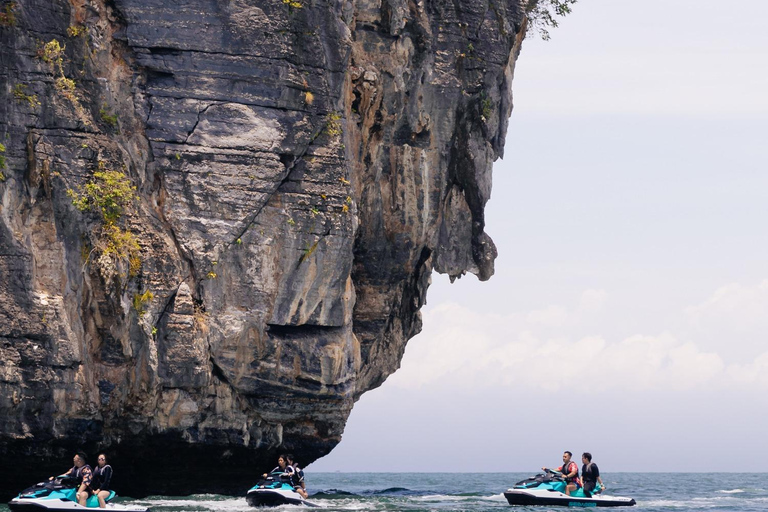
299	168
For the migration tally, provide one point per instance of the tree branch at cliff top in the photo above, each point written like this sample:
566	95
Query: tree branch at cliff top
542	14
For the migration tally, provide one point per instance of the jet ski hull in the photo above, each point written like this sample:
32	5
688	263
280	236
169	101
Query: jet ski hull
554	498
273	498
59	495
64	505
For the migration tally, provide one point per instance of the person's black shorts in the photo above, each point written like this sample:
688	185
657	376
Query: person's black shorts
588	488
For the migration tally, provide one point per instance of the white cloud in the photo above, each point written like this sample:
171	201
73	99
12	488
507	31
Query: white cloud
752	374
735	315
738	305
536	349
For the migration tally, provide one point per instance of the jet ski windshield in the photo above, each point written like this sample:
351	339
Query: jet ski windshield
541	478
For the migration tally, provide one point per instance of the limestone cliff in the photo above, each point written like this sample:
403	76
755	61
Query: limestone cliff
219	219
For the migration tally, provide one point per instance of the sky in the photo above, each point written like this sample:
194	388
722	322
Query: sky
628	315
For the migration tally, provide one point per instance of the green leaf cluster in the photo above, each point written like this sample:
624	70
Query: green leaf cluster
52	52
109	193
77	30
141	300
333	124
3	165
20	93
542	14
108	117
8	15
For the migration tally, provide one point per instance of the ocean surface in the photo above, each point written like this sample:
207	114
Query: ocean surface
483	492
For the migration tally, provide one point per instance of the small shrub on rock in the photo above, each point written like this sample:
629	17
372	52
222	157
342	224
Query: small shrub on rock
110	194
19	92
8	15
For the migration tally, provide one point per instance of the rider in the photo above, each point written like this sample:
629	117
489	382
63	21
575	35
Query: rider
102	476
282	467
570	471
83	473
298	477
590	475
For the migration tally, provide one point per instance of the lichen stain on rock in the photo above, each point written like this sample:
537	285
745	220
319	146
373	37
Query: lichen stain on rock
299	173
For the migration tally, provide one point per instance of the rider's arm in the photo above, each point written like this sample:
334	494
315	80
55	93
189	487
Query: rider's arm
87	477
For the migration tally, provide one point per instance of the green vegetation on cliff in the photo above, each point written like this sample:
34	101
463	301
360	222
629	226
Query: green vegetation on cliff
110	194
542	14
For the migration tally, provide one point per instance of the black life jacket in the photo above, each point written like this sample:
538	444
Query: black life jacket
588	474
102	477
566	471
297	476
299	473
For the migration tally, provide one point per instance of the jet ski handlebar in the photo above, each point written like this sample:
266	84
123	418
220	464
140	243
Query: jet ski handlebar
554	474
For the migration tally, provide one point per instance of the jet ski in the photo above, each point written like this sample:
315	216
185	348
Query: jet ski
58	495
275	490
549	489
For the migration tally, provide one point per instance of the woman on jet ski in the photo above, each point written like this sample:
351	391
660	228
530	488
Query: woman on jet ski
83	473
282	467
102	476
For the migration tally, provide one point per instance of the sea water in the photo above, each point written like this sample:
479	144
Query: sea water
483	492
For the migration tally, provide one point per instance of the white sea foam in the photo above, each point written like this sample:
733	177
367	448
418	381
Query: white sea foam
345	504
732	491
441	497
354	505
201	502
665	503
713	499
457	498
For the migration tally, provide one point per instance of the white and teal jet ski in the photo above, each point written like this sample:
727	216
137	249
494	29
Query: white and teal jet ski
58	495
273	491
549	489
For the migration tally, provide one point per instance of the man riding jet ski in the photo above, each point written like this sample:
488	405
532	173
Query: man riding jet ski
60	495
549	489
